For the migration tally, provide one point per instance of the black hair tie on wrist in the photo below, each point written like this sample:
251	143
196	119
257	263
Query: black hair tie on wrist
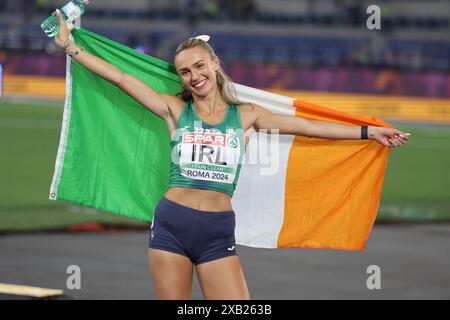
364	132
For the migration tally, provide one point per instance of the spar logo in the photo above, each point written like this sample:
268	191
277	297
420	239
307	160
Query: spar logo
213	139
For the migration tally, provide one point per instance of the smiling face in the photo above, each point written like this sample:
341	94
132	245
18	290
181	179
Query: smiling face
197	70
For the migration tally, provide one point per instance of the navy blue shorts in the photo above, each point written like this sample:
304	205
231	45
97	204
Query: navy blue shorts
202	236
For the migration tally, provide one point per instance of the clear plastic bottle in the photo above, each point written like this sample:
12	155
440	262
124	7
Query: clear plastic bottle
71	11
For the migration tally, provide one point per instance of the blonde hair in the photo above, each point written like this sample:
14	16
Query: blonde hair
224	83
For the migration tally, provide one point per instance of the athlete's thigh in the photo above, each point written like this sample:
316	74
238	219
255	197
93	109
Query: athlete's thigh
223	279
171	274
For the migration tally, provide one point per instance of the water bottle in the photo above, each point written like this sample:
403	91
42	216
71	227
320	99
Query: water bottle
71	11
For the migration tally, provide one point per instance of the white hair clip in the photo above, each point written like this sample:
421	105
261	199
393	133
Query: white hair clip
203	37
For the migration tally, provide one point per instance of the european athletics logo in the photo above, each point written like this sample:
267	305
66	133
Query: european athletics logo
232	142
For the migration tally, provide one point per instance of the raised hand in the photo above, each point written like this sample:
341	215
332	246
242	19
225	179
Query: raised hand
65	29
388	137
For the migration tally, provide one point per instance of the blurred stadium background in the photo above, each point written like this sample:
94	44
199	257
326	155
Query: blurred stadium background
316	50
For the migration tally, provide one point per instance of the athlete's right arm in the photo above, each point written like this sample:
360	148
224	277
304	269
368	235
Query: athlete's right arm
149	98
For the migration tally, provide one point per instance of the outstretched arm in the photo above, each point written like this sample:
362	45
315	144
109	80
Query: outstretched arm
146	96
268	120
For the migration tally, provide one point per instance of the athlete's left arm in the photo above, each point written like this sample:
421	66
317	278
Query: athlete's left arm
287	124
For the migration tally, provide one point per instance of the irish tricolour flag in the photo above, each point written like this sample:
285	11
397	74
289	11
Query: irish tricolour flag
293	191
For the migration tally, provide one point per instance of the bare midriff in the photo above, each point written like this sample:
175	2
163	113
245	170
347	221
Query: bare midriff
206	200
